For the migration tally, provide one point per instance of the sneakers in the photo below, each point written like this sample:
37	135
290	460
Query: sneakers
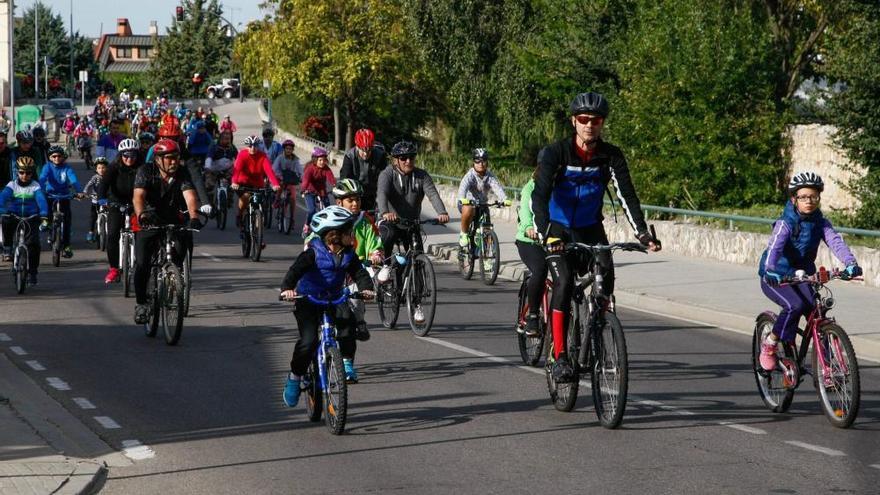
7	254
113	275
361	332
351	375
561	370
90	237
291	391
384	275
533	325
142	314
67	252
768	357
32	280
463	239
418	315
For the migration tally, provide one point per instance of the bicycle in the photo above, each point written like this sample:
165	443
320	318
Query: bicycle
221	201
166	287
833	363
252	240
482	244
531	347
102	230
20	253
284	212
59	225
417	284
84	146
319	205
324	382
596	343
126	248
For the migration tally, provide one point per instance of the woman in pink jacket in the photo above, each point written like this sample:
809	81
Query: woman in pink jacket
251	169
317	182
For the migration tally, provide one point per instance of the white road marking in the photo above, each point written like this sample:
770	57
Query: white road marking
35	365
57	383
107	422
18	350
744	428
816	448
5	338
875	466
83	403
212	257
135	450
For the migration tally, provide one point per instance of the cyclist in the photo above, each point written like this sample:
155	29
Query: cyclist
198	144
60	184
570	181
321	272
532	255
117	188
227	125
41	143
23	197
82	136
169	126
475	186
363	163
268	146
250	168
108	144
161	191
793	246
91	190
288	168
24	147
146	141
219	162
317	181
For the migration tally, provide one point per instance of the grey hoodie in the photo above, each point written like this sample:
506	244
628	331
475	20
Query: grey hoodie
403	194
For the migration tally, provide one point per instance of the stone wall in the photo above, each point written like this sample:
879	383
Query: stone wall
812	150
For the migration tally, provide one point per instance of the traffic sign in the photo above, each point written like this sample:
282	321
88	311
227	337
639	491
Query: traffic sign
83	76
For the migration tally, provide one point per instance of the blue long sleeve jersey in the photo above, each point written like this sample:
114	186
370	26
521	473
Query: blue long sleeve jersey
23	201
57	180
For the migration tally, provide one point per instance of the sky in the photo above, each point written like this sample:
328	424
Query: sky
88	15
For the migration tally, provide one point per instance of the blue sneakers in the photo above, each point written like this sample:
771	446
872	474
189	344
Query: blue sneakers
351	374
291	392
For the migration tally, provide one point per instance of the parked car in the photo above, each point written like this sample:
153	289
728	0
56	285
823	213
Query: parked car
229	88
61	107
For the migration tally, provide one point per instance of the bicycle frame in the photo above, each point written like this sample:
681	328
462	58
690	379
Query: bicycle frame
326	339
545	304
126	233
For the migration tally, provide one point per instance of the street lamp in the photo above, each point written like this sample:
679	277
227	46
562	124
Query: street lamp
266	86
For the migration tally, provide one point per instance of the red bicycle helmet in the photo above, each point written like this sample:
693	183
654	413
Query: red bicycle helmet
166	147
364	138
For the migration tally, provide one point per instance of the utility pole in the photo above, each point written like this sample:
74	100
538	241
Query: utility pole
72	82
36	50
11	64
46	75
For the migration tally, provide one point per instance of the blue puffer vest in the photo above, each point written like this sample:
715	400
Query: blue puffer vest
576	201
799	250
328	280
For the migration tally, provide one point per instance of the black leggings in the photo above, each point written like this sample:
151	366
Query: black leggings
563	268
534	258
308	321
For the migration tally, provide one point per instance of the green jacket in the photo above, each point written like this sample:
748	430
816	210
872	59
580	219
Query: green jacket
525	216
366	237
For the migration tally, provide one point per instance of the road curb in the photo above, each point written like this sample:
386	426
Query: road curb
87	477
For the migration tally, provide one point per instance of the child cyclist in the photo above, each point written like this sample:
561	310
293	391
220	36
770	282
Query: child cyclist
368	248
317	179
793	246
60	184
289	170
475	186
532	254
23	197
321	272
91	190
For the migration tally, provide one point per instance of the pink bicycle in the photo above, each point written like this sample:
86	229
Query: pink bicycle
833	363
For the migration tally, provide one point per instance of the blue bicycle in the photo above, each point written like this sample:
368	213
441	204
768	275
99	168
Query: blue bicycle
324	381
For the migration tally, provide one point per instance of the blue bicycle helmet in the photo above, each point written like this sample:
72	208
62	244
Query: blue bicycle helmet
332	218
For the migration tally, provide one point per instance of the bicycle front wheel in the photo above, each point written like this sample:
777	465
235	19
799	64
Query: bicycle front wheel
20	269
221	210
246	238
466	259
151	328
171	304
336	394
285	219
610	372
564	394
103	235
838	381
421	302
776	396
125	264
256	236
490	258
56	244
530	348
388	302
187	281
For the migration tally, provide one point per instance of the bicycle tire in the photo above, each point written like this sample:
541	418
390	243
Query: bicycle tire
187	281
56	244
336	394
267	211
775	396
609	373
844	376
102	233
151	328
422	268
490	253
20	262
125	265
171	304
314	395
530	348
221	210
246	237
466	259
256	236
564	395
287	216
388	302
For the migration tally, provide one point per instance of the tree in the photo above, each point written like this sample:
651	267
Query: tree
199	43
347	53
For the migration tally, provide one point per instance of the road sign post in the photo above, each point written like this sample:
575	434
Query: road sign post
83	79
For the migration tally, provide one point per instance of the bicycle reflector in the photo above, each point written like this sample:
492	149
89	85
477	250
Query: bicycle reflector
823	275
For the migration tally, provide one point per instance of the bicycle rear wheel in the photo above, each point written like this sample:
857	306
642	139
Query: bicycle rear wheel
256	236
838	385
151	328
336	394
466	259
530	348
490	258
314	395
103	235
610	372
422	294
171	304
20	269
773	392
287	215
56	243
388	302
564	394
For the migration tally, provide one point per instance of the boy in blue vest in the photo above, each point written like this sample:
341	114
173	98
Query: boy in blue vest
60	184
793	246
320	272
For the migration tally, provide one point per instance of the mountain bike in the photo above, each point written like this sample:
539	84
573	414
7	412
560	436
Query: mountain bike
102	230
221	201
412	279
595	341
284	211
252	228
84	146
20	250
57	229
483	246
268	199
531	348
166	286
833	362
324	381
126	248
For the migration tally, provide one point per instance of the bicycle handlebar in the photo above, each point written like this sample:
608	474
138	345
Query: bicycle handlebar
821	277
346	295
615	246
20	218
474	203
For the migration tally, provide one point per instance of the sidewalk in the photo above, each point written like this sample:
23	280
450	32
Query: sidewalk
701	291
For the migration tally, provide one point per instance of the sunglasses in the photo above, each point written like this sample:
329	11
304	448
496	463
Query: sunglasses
587	119
406	158
129	155
25	173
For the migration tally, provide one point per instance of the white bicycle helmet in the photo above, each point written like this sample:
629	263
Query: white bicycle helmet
128	145
251	140
805	179
331	218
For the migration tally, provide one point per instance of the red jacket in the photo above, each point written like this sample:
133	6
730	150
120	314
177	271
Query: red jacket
250	170
317	180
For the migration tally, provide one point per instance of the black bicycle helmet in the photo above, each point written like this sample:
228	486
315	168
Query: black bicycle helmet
589	102
404	148
481	154
805	179
24	136
56	150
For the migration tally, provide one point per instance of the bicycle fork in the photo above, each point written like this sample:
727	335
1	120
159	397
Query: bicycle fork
325	341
